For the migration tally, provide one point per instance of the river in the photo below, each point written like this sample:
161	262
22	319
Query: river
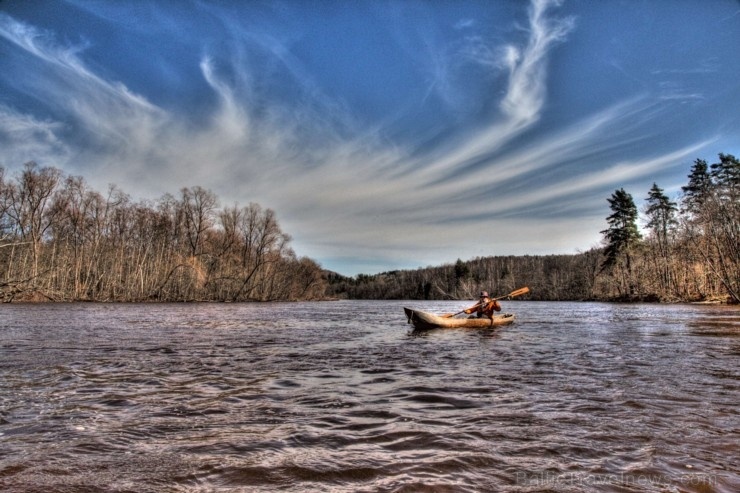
344	396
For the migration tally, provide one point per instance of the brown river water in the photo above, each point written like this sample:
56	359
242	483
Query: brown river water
344	396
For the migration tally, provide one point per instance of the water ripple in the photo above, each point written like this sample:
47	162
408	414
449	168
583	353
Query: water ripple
302	397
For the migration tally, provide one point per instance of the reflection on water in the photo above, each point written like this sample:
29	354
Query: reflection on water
344	396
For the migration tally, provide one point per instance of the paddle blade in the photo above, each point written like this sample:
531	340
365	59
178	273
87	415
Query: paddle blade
519	292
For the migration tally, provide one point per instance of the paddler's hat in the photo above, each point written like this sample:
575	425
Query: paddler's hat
484	294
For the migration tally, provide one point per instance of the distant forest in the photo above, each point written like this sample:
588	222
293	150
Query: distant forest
690	251
60	240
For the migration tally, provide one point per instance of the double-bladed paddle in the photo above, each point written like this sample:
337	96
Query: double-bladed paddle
517	292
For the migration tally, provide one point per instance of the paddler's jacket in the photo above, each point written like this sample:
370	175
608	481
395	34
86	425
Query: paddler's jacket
485	307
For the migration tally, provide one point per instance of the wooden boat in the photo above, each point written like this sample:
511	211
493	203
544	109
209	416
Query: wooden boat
428	321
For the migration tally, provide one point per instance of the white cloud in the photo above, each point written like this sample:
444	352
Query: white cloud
525	94
25	138
464	23
528	66
340	192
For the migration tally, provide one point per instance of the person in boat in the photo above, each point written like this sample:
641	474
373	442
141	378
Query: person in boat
485	307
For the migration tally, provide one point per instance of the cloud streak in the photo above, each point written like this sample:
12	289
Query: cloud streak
525	93
23	136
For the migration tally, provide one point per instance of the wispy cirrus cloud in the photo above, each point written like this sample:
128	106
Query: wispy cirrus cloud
525	95
26	138
525	92
345	190
109	114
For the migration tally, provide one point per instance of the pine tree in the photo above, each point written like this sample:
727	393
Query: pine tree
712	203
661	215
621	236
661	221
724	222
699	187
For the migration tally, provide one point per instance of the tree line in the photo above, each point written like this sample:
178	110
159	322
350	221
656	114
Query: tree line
60	240
688	250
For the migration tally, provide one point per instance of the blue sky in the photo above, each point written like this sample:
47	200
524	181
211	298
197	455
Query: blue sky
385	134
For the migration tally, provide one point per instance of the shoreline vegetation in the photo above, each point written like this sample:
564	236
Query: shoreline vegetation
62	241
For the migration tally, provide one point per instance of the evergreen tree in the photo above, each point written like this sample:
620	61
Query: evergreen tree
661	215
723	218
621	236
462	271
725	177
661	221
699	187
712	203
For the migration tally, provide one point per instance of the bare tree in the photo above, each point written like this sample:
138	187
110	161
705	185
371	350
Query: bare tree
263	243
28	207
198	208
